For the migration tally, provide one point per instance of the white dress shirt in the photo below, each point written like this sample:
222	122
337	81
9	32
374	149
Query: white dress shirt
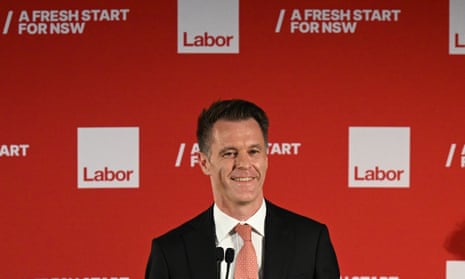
226	237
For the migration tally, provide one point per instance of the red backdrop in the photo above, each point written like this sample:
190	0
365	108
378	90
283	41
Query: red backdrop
314	86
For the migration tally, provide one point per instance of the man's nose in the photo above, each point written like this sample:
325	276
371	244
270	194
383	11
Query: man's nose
242	160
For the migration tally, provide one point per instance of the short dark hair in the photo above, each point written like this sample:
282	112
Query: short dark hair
232	110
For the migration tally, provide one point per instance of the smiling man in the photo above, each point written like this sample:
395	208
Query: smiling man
261	239
236	163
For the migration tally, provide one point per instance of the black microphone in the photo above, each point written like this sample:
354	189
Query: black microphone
219	259
229	259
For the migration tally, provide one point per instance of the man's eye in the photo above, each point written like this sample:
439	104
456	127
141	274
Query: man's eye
229	154
254	151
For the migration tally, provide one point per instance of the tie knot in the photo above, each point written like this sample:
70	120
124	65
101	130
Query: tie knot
245	231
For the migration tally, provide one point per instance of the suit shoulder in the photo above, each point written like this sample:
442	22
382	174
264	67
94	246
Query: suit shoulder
200	221
295	218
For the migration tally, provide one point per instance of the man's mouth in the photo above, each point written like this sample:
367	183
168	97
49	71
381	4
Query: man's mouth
242	179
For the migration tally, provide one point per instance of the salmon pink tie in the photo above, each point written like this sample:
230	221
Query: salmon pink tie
246	261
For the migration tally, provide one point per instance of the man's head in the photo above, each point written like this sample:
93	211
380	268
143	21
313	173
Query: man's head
230	110
233	152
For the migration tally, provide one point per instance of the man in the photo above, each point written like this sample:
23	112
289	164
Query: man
233	139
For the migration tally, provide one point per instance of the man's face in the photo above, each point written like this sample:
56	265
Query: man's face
237	163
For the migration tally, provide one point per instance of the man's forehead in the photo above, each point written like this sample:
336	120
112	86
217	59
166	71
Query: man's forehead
237	133
230	127
235	121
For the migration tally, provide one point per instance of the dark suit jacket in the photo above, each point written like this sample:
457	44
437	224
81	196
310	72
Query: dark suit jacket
294	247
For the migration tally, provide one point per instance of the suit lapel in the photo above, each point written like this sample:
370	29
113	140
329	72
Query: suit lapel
200	246
278	240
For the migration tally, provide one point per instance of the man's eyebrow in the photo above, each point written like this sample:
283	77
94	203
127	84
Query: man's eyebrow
257	145
232	148
227	148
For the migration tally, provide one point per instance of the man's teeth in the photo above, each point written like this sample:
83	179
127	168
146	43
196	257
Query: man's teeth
242	179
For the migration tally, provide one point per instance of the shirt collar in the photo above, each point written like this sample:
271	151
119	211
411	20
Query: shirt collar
224	224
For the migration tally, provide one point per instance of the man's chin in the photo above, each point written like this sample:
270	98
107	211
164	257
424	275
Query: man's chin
244	201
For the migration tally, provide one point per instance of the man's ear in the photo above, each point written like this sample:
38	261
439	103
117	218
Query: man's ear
204	163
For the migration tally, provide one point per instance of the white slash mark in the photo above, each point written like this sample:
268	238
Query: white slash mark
280	21
7	22
451	155
180	154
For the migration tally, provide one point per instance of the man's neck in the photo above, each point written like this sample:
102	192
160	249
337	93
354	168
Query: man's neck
241	212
